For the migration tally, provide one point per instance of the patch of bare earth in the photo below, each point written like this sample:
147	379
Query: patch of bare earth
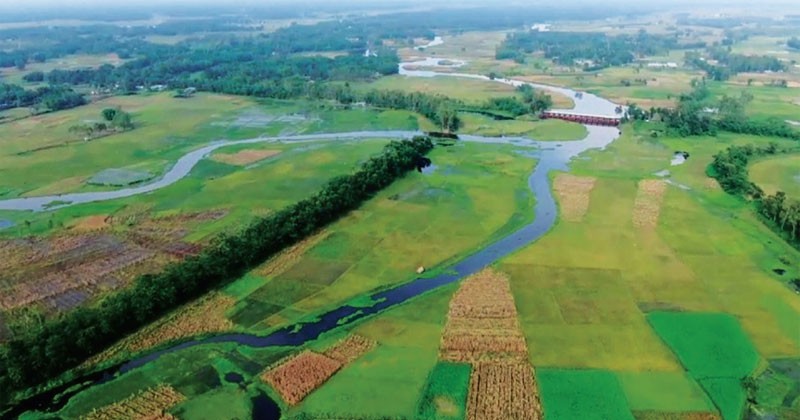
483	329
299	375
647	206
91	224
654	415
573	193
205	316
149	404
245	157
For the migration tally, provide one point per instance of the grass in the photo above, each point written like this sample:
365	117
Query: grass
390	380
68	62
468	90
445	395
421	220
645	391
544	130
708	344
778	174
576	394
714	350
229	402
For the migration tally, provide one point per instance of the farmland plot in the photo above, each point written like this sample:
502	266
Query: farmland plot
482	328
573	194
297	376
149	404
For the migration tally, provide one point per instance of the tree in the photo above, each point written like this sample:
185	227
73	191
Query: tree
448	118
122	120
109	114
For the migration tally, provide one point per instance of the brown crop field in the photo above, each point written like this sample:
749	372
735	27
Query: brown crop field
483	329
351	348
149	404
204	316
96	255
244	157
298	376
647	205
482	322
503	391
573	194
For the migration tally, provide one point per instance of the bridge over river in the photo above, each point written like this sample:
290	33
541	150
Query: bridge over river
588	119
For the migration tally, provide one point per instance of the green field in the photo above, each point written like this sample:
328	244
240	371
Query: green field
445	395
576	394
778	174
714	350
544	130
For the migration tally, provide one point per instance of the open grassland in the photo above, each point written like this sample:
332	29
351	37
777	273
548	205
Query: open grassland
768	101
467	90
471	91
69	62
778	174
39	154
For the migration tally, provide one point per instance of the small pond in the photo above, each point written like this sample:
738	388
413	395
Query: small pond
5	224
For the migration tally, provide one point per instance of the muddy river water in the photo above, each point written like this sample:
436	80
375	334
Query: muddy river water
551	156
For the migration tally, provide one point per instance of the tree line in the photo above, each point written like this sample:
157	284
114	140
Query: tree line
729	64
729	168
51	349
700	113
596	50
46	98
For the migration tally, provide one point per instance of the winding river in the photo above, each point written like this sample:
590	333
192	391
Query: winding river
551	155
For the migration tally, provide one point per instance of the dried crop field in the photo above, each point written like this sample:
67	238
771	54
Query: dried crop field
647	206
95	256
573	193
149	404
204	316
245	157
482	328
502	391
297	376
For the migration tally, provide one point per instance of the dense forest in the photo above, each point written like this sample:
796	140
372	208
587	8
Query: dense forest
594	50
793	43
49	350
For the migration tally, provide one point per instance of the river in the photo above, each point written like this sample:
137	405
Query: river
551	156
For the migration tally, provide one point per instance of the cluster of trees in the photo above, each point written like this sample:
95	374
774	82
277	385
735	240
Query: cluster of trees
531	101
57	346
730	169
730	64
596	50
793	43
700	113
114	120
784	213
47	98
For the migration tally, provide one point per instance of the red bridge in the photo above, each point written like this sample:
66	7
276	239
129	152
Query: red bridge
582	118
